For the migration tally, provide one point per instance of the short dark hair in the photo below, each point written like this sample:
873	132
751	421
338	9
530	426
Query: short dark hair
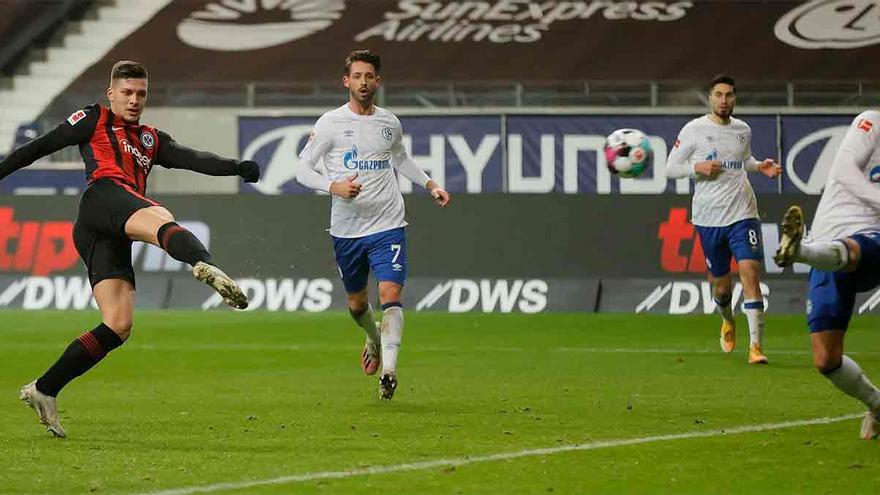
367	56
722	79
126	69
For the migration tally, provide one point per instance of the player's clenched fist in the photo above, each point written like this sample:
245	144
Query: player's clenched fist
347	188
708	168
249	171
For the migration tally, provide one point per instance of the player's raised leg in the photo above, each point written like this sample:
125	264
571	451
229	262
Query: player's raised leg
827	256
156	225
115	298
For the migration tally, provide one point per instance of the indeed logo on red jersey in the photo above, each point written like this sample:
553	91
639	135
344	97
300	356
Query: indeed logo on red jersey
142	160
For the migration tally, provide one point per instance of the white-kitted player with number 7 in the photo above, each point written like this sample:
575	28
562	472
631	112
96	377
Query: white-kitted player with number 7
359	144
715	150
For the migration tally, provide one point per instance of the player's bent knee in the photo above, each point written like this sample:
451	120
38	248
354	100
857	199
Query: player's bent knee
854	254
827	363
121	326
357	303
160	213
357	310
722	293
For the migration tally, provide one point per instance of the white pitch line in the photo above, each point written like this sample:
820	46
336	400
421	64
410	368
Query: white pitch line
504	456
209	347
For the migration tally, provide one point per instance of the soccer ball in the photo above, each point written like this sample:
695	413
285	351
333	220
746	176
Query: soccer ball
628	152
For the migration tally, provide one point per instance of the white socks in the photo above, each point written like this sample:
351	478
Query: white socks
392	331
850	378
725	309
754	310
826	256
365	321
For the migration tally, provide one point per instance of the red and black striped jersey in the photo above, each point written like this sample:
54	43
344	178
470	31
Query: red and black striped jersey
115	149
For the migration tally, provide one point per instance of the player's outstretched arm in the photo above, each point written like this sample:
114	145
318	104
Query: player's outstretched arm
76	129
767	167
174	155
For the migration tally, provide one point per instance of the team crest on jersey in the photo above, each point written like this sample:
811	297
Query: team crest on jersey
147	140
874	174
741	138
865	125
387	133
76	117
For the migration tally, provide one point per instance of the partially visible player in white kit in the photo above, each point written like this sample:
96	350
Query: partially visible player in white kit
715	150
844	251
359	144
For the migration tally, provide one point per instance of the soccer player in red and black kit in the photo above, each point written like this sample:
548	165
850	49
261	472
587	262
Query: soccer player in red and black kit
119	153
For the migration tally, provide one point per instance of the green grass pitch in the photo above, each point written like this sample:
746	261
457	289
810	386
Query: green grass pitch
198	399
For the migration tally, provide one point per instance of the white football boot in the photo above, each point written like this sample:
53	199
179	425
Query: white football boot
870	426
44	406
225	286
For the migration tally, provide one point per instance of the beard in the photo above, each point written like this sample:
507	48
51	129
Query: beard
723	113
364	99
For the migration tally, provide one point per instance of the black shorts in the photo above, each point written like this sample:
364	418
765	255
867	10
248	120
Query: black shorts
99	231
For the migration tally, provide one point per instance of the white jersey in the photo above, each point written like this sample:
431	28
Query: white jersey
728	198
851	199
366	145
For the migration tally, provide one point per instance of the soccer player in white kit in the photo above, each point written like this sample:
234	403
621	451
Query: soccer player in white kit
715	150
844	251
359	144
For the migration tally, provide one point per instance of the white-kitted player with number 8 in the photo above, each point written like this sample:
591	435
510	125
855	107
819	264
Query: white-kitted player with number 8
715	150
359	144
